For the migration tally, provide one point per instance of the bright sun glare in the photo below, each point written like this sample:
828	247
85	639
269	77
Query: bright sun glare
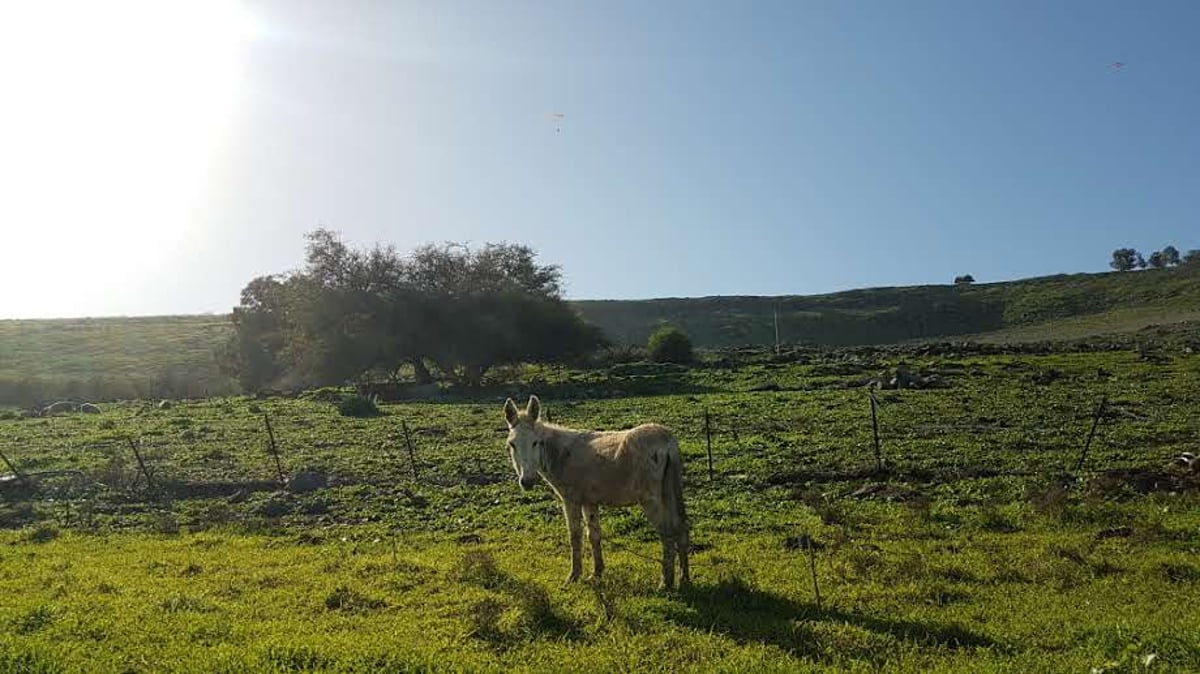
111	116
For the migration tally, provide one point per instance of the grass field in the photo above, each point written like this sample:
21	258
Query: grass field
979	548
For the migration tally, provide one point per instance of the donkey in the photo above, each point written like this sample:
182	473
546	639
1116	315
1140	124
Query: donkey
588	469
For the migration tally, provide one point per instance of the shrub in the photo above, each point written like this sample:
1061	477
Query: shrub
669	344
43	533
357	406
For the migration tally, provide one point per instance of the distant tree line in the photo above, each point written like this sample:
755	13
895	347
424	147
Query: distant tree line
445	311
1127	259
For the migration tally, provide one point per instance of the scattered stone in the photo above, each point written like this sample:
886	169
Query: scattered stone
60	407
903	378
276	507
165	404
306	481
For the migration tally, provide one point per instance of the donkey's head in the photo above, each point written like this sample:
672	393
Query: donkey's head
524	442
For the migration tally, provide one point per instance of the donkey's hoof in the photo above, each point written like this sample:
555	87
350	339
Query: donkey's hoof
574	577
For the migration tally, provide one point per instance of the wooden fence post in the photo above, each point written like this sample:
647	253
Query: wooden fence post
875	432
810	547
1092	433
142	464
274	450
708	442
13	468
412	457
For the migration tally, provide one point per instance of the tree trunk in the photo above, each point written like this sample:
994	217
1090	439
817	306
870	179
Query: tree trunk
448	370
421	372
473	375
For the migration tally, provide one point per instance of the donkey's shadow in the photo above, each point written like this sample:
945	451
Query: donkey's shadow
749	615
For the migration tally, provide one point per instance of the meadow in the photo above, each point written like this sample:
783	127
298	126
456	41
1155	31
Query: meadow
982	545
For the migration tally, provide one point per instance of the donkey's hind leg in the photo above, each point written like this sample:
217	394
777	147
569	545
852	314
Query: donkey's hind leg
591	513
683	547
668	563
661	518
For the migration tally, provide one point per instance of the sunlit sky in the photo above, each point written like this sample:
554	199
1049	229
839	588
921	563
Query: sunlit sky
155	155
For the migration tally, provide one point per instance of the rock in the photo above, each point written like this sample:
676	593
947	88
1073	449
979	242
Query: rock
59	408
276	507
89	408
165	404
306	481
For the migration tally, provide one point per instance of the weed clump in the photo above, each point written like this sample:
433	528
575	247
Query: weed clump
358	406
1174	572
181	603
346	599
36	619
43	533
296	659
479	568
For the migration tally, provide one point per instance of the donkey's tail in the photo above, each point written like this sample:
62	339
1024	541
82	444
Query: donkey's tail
672	487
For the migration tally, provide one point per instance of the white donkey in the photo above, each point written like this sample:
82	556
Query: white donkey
588	469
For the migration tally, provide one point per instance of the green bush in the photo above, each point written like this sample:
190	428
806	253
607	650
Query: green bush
357	406
669	344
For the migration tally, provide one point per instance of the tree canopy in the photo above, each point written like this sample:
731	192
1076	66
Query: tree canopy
1124	259
350	314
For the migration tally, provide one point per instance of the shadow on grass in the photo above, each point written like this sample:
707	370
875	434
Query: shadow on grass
524	612
748	615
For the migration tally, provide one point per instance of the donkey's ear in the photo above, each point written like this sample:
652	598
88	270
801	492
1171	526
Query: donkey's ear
510	412
534	408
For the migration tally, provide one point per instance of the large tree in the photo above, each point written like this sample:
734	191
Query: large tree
352	313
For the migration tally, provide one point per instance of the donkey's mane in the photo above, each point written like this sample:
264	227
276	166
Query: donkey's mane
558	441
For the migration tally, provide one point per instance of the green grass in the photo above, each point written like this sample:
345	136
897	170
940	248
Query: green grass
980	549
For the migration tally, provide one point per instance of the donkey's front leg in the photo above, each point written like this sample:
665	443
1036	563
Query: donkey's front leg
574	515
592	514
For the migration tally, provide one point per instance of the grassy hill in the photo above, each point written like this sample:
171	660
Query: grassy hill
104	358
1085	304
174	356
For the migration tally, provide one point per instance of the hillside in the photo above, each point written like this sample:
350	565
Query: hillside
1089	303
174	356
103	358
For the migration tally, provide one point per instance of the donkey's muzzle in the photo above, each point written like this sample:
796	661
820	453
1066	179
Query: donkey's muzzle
527	482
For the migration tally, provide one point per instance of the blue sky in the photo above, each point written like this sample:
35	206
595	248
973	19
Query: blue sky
706	148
